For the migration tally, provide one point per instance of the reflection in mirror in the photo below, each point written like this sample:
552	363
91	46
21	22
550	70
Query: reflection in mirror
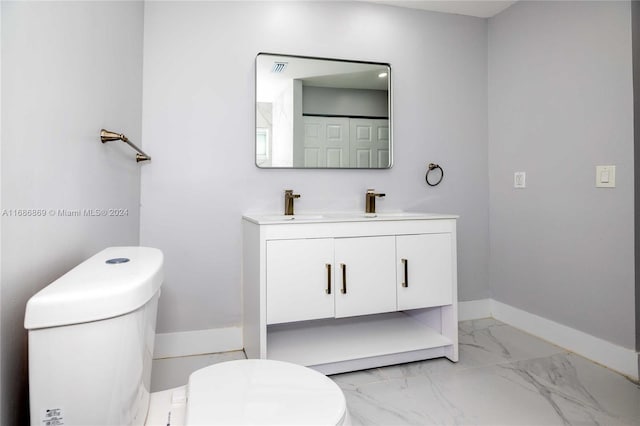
322	113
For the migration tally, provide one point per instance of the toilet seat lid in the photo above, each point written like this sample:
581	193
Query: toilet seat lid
262	392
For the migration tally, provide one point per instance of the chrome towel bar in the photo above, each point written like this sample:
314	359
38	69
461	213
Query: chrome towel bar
108	136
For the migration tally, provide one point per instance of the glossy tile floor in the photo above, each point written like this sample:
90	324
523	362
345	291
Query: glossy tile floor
504	377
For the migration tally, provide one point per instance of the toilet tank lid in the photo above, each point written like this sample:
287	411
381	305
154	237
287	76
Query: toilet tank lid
113	282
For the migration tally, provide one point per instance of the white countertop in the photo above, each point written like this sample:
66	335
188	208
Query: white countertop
329	217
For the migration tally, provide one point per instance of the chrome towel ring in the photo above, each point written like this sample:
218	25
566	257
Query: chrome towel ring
433	166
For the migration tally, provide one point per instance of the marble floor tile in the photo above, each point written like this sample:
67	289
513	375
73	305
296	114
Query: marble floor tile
580	391
470	397
352	380
504	377
481	342
488	342
562	389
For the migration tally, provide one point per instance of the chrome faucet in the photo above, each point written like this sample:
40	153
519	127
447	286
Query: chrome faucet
370	200
289	196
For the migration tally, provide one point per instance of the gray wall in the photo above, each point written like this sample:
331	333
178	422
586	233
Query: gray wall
347	102
198	123
560	103
67	71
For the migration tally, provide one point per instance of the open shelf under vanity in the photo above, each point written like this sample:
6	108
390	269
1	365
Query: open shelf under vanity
339	344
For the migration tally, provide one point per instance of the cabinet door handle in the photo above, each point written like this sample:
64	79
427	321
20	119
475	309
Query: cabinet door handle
328	289
343	290
405	263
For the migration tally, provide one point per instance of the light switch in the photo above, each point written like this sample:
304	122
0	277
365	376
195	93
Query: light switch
519	180
605	176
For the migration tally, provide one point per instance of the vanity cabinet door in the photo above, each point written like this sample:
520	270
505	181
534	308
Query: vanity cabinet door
424	269
367	264
298	280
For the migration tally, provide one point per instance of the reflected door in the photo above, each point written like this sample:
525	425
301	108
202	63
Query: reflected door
369	143
326	141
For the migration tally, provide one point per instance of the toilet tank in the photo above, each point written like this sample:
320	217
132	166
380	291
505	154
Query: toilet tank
91	337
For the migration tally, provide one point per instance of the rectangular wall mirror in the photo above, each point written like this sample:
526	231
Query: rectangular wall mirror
322	113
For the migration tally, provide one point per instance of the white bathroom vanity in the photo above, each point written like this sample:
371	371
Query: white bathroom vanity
348	291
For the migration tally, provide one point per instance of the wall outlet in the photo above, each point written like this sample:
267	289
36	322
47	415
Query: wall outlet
519	180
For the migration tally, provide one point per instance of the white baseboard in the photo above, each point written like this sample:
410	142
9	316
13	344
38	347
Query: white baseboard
474	309
601	351
618	358
198	342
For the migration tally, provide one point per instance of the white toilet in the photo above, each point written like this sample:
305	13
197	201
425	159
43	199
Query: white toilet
91	338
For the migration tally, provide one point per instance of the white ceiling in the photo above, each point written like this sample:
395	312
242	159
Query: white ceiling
479	8
315	72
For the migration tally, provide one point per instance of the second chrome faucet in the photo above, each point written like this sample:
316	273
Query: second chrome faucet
289	196
370	200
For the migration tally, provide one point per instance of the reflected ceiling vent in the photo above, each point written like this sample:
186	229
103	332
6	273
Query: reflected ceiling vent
279	67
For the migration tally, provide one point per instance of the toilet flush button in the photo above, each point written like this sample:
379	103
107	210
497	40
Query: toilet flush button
117	260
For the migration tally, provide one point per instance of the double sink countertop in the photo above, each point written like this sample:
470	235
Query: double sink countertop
328	217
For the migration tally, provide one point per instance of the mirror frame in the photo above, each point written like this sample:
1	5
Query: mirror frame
389	110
